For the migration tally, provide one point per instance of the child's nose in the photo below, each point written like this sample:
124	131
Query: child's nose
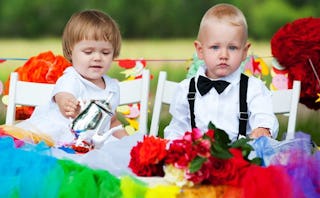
224	54
97	56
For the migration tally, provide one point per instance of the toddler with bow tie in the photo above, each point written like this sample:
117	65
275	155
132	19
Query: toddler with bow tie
219	92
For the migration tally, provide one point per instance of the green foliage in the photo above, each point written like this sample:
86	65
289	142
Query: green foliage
145	18
270	15
196	164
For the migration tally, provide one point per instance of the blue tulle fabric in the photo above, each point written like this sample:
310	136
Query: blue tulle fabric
299	157
26	172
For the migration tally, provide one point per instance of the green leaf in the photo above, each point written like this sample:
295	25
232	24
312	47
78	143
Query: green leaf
257	161
244	146
220	152
238	143
211	126
222	138
196	164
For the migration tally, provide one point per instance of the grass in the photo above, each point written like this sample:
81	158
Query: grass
308	120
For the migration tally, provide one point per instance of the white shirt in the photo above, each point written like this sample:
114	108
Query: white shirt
48	119
222	109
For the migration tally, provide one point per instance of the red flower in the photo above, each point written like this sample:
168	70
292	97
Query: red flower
202	147
210	134
180	153
228	171
201	175
152	150
147	156
195	158
293	45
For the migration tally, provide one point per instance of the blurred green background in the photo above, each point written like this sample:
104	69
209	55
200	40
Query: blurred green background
157	29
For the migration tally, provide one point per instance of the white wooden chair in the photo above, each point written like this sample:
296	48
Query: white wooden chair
284	102
25	93
164	94
34	94
137	91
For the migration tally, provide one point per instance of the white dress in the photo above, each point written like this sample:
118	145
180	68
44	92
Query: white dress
47	119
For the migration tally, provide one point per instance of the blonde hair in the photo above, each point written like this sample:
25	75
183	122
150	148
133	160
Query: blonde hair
227	13
90	25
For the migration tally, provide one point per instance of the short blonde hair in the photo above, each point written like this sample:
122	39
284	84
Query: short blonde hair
225	12
90	25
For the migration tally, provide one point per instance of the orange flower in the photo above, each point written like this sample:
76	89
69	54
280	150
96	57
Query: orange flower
44	68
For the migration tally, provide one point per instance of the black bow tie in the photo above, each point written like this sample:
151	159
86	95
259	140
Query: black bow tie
204	85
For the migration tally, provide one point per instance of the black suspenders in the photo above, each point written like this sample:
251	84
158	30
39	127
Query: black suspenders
243	107
191	98
243	110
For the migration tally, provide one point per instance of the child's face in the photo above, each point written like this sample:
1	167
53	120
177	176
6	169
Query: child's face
223	47
91	59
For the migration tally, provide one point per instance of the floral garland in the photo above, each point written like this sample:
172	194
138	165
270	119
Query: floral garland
196	158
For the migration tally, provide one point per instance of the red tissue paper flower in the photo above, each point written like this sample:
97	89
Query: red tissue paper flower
43	68
294	45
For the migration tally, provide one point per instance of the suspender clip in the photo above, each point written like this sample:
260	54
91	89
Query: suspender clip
191	95
243	116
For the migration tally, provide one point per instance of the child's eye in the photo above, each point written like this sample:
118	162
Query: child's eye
233	47
106	52
87	52
215	47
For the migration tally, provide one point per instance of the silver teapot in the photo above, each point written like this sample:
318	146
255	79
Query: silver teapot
91	124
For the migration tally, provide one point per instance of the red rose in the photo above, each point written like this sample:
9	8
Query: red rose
202	148
229	171
201	175
210	134
147	157
180	153
152	150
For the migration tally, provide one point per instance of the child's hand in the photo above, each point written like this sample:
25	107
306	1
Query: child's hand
69	106
258	132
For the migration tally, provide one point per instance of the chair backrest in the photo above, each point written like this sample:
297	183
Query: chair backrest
25	93
284	102
164	94
34	94
137	91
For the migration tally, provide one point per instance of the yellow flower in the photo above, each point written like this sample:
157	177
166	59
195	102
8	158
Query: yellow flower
176	176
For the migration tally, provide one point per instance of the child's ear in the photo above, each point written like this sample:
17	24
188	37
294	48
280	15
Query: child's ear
199	49
245	50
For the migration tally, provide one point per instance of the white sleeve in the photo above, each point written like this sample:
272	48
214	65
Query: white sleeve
69	84
261	108
179	109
